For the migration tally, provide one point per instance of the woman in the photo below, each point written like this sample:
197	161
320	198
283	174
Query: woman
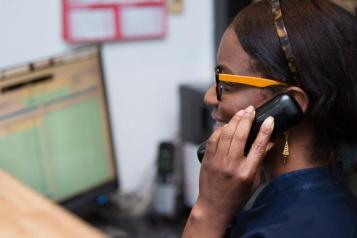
307	48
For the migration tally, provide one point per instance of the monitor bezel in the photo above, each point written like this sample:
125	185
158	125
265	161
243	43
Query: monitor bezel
80	203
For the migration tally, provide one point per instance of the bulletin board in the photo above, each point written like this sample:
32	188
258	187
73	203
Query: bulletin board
113	20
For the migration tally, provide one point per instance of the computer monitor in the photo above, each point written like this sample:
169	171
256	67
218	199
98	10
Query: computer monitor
55	132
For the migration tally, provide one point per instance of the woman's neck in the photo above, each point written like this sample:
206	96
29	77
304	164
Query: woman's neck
300	142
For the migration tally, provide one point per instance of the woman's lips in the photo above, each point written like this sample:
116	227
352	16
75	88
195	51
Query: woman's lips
220	122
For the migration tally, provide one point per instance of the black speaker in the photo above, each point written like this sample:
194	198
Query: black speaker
195	117
166	161
224	13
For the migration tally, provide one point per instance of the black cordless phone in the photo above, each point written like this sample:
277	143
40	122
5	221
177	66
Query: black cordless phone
286	112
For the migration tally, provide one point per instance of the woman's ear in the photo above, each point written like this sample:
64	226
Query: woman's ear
300	96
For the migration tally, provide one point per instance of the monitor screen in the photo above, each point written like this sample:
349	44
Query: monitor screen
54	127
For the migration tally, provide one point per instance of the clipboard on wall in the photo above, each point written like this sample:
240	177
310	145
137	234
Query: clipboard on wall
87	21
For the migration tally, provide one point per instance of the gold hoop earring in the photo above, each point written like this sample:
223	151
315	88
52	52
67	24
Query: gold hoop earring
286	148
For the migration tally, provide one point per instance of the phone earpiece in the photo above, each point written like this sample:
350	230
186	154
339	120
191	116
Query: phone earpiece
300	97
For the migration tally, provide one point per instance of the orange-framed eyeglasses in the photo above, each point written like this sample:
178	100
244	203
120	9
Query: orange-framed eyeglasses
246	80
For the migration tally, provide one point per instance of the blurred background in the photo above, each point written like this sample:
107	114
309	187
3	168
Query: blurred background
101	105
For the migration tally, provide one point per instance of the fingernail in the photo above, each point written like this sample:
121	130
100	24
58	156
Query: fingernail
249	109
269	146
269	123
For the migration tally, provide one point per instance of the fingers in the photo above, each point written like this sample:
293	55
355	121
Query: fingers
212	144
261	145
229	141
241	133
227	134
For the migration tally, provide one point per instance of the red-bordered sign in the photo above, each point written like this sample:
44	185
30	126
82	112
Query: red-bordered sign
110	20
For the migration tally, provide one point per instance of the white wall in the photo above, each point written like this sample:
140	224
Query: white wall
142	77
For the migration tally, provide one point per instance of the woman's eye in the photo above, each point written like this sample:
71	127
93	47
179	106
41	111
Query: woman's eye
230	88
227	88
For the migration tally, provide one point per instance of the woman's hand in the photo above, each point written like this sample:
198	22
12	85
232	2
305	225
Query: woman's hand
227	177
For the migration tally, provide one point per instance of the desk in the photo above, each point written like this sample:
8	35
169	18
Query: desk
24	213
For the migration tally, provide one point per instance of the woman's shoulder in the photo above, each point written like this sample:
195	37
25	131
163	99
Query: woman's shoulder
309	203
323	215
306	187
301	223
319	192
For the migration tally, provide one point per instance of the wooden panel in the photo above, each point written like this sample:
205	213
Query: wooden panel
24	213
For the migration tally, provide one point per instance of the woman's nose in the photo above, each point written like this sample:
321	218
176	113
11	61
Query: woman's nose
210	97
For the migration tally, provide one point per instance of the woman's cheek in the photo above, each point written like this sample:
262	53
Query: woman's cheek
229	109
233	103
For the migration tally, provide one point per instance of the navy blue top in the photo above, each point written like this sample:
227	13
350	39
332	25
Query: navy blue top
305	203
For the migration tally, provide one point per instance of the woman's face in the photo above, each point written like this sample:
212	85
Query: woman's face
234	60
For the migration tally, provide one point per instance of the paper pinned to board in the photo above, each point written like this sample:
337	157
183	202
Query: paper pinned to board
88	23
110	1
113	20
139	21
